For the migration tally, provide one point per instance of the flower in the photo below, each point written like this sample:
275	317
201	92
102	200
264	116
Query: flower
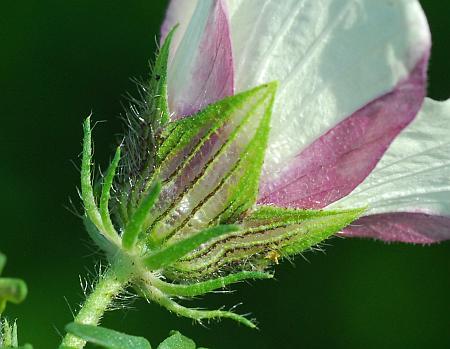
225	171
350	126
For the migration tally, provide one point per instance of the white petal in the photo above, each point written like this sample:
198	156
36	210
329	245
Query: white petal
414	174
331	57
178	12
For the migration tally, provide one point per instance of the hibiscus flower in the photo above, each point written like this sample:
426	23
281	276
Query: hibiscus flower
268	126
350	126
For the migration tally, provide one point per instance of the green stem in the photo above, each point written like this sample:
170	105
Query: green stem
108	287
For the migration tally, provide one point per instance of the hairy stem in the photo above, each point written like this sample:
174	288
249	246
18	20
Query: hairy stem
110	284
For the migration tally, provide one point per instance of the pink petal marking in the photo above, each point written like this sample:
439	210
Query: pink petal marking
333	165
419	228
211	74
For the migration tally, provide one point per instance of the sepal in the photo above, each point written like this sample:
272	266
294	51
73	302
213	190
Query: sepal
266	235
210	164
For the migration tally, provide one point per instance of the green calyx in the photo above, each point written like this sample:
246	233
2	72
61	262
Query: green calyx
184	195
267	235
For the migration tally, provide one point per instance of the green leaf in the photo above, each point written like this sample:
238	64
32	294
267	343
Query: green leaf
136	224
172	253
12	290
107	338
2	262
210	164
177	341
268	234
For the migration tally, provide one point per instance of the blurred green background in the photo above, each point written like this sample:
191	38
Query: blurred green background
60	60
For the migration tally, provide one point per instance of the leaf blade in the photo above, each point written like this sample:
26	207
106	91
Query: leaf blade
107	338
12	290
3	260
177	341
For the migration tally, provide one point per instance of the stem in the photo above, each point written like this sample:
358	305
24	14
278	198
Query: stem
107	288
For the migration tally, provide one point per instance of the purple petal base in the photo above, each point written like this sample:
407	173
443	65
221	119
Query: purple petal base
332	166
212	70
418	228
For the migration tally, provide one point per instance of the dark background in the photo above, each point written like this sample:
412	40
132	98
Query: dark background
60	60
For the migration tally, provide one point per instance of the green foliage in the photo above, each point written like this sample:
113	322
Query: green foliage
15	291
177	341
2	262
110	339
11	290
107	338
